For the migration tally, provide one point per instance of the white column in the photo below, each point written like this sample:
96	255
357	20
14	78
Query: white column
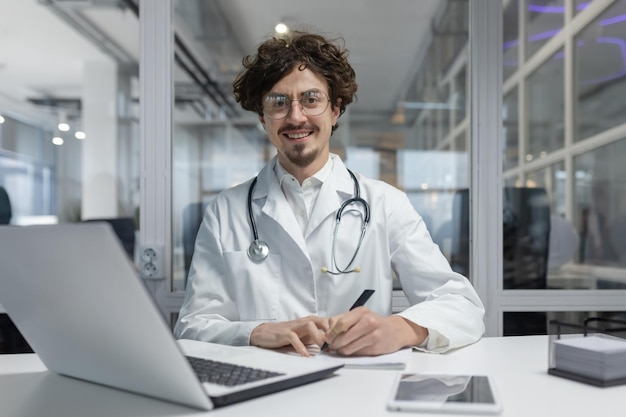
486	154
99	162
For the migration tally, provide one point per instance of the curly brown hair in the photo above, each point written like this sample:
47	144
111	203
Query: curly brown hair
277	57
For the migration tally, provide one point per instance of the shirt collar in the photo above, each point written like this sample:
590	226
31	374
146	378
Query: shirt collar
320	176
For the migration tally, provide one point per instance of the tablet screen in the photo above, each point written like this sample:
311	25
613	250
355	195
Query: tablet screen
444	392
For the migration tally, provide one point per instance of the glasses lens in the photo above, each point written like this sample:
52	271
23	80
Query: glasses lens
276	105
312	103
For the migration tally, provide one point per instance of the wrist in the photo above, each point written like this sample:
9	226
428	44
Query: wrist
414	334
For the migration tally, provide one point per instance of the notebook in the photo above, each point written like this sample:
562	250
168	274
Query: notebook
79	302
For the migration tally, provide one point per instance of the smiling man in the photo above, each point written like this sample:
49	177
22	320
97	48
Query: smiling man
320	233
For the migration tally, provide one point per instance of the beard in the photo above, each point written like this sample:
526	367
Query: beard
300	157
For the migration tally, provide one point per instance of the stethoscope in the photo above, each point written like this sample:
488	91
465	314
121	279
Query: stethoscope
258	250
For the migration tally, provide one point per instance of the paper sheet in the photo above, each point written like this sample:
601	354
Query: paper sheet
395	360
595	344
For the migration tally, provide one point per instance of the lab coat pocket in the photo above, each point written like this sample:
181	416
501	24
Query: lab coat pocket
256	285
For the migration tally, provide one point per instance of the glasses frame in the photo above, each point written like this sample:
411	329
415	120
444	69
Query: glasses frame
299	100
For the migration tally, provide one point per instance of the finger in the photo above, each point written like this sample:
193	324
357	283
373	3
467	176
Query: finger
319	322
342	323
314	334
356	337
296	343
360	346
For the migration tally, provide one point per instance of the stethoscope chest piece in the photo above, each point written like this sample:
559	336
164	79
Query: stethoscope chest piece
258	250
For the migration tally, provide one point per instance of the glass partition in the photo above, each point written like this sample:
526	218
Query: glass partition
69	147
569	167
510	38
600	216
520	323
510	130
418	143
546	108
545	19
600	88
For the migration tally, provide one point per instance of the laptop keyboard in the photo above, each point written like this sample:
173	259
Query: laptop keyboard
225	373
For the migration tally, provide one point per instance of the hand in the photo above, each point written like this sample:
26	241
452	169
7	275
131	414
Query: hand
363	332
297	333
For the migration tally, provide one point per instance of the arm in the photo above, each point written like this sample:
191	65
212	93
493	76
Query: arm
445	310
232	300
442	300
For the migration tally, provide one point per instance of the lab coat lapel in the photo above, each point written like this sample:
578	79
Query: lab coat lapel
276	206
337	188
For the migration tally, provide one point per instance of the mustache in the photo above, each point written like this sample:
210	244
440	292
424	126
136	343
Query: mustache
294	127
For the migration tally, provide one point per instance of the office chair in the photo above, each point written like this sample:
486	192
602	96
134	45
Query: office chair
192	218
526	236
5	207
11	340
124	228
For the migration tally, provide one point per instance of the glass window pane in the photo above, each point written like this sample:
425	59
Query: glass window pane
461	96
212	153
581	5
207	158
551	179
545	108
600	89
521	323
510	130
545	19
28	174
90	84
510	38
564	240
600	198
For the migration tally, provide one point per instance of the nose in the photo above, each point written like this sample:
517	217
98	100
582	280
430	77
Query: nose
296	114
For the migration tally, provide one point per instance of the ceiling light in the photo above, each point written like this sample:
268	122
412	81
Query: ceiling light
281	28
80	135
1	119
63	126
57	140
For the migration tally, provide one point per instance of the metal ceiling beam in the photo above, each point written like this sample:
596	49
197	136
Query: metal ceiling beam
68	11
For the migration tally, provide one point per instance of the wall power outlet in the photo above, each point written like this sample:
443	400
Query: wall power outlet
151	262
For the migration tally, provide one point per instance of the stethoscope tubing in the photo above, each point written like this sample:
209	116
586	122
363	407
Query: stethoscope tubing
259	250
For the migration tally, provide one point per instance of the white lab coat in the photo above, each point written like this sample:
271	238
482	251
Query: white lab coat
228	294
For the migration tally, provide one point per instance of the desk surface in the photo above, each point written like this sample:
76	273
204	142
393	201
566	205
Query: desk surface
518	366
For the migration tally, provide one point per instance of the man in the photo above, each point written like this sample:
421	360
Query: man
295	283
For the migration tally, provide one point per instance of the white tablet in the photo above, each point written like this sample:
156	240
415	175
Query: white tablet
444	393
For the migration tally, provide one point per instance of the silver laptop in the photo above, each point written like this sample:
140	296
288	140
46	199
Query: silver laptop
77	299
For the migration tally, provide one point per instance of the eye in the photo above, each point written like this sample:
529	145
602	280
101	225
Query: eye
277	101
311	97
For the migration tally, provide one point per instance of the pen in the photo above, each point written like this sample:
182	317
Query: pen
365	295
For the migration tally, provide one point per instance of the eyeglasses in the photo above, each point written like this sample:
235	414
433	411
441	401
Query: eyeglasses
312	103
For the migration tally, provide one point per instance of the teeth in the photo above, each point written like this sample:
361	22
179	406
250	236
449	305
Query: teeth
298	136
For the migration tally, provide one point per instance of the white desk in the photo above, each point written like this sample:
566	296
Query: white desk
518	366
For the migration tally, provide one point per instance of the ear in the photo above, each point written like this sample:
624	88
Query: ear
262	120
337	110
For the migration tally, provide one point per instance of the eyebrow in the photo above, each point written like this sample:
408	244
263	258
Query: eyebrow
310	90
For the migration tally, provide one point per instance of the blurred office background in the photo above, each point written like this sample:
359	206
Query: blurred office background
72	147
